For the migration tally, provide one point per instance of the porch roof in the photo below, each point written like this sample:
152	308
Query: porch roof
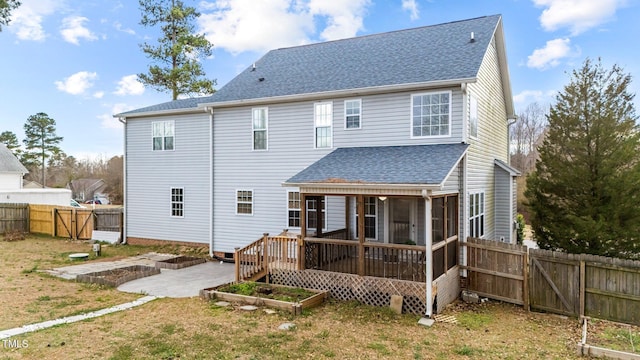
416	166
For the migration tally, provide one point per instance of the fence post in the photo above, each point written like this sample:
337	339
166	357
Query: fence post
265	254
582	286
236	259
525	279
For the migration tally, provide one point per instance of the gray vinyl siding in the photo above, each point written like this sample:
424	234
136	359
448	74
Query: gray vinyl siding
492	139
152	174
385	121
503	203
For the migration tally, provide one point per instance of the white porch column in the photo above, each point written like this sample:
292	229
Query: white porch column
429	254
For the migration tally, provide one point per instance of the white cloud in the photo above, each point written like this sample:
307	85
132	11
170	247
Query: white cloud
77	83
73	29
129	85
550	55
98	94
108	121
119	27
577	15
26	20
529	96
244	25
412	7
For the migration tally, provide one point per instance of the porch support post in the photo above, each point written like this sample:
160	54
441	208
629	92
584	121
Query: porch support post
319	216
347	216
428	253
361	235
303	215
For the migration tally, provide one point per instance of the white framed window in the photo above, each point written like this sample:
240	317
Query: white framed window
162	134
431	114
177	202
352	114
473	116
312	213
370	218
322	124
293	209
476	214
244	202
259	124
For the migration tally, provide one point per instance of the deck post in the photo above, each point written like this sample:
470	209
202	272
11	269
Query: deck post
301	252
361	235
236	258
265	255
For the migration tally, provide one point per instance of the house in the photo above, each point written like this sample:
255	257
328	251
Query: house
13	191
87	189
407	130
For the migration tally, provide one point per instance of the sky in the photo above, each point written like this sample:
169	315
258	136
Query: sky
77	60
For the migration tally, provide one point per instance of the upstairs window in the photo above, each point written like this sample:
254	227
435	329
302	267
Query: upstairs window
352	114
323	118
244	202
476	214
177	202
259	124
473	116
431	114
162	134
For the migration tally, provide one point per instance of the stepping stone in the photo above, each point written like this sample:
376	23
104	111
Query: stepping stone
269	311
248	308
287	326
222	303
426	322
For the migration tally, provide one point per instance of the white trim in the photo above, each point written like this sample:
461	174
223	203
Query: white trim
315	125
359	101
171	202
482	211
266	128
287	208
236	202
448	135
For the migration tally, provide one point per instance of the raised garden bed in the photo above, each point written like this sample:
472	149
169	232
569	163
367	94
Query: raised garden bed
179	262
280	297
119	276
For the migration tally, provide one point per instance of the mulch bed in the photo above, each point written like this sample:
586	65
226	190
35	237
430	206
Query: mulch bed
119	276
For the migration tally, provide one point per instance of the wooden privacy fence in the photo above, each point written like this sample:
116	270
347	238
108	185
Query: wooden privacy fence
569	284
14	217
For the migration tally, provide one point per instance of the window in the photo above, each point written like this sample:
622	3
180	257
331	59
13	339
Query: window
162	134
431	114
352	113
476	214
323	119
259	124
312	213
473	116
370	215
177	202
244	202
293	206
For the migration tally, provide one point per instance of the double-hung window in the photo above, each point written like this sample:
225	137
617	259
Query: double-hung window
162	135
476	214
293	207
370	216
352	114
312	213
260	125
323	118
177	202
473	116
431	114
244	202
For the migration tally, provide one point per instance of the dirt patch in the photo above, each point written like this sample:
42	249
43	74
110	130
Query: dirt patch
119	276
267	291
179	262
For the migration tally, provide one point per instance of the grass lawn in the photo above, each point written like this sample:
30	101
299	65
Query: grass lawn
195	329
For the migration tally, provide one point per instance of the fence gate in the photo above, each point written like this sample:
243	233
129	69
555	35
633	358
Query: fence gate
555	282
73	223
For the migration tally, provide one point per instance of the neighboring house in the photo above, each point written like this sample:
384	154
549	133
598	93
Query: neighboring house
87	189
11	184
406	129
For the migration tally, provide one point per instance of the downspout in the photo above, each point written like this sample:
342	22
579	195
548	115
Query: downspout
428	240
512	119
123	120
210	110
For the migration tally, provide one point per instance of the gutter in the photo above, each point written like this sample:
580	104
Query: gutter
123	120
211	160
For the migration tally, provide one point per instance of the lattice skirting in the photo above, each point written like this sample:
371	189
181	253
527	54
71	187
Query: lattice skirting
366	289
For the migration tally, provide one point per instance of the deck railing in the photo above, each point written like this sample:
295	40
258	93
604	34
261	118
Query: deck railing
253	261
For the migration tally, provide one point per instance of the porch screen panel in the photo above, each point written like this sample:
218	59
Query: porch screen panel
437	218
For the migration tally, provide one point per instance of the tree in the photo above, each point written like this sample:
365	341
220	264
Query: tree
6	6
41	141
11	141
179	49
525	132
584	193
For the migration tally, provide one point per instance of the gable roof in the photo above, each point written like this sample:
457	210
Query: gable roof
424	165
9	163
441	54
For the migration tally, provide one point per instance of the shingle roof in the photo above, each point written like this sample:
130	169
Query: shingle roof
412	164
9	163
419	55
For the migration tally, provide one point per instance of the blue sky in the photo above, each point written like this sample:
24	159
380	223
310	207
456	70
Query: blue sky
76	60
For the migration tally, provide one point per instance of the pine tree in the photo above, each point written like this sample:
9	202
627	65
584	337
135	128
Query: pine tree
178	51
584	193
6	6
11	142
41	141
